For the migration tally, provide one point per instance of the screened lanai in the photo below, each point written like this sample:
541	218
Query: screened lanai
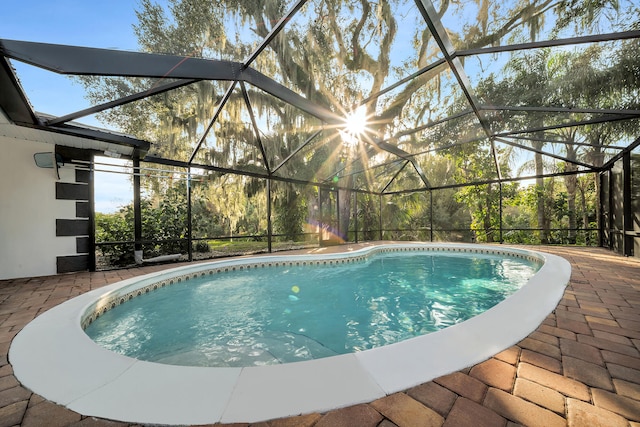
277	124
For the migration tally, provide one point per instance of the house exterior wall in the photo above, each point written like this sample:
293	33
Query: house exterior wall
29	210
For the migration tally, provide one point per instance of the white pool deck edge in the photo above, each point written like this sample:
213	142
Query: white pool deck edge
53	357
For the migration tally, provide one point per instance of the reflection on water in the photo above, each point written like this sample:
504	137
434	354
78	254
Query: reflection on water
287	314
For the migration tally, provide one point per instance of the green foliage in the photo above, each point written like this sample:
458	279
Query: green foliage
113	227
201	246
163	222
290	212
584	13
116	227
368	217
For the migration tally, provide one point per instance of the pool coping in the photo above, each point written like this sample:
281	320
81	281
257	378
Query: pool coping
96	382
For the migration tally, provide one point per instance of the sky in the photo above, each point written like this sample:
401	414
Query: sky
98	23
93	23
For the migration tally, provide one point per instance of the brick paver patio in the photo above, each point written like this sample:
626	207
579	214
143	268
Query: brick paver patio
581	367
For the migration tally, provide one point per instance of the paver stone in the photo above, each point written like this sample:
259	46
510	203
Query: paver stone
360	415
566	386
407	412
464	385
587	373
434	396
521	411
625	388
582	414
540	395
495	373
628	408
466	412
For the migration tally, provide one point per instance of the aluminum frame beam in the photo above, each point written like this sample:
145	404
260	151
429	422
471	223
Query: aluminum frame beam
441	37
121	101
273	33
545	153
256	129
555	141
77	60
140	147
560	110
219	108
621	154
494	181
297	150
221	170
12	99
604	119
594	38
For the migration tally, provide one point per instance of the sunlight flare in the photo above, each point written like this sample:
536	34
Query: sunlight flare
355	126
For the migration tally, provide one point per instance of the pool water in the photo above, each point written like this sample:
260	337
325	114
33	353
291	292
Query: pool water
286	314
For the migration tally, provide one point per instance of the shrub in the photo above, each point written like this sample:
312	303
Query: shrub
201	246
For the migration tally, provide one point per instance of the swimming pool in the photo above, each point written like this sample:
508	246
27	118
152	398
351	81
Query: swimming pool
290	313
55	358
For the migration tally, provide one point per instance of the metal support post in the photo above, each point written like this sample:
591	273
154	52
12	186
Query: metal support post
355	210
137	212
189	218
500	213
431	215
269	225
627	216
380	214
92	218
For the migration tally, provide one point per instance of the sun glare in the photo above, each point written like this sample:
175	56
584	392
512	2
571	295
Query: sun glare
357	121
355	125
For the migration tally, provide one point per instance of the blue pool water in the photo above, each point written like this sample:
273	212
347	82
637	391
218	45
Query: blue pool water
285	314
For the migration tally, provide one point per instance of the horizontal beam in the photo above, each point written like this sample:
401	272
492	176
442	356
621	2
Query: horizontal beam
492	181
121	101
594	38
604	119
559	110
556	141
79	60
185	165
545	153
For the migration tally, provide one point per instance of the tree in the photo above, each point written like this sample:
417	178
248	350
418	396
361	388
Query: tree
524	83
335	53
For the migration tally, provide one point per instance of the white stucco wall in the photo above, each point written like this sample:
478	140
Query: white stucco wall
28	212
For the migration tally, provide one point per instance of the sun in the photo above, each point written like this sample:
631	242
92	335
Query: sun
355	125
357	121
